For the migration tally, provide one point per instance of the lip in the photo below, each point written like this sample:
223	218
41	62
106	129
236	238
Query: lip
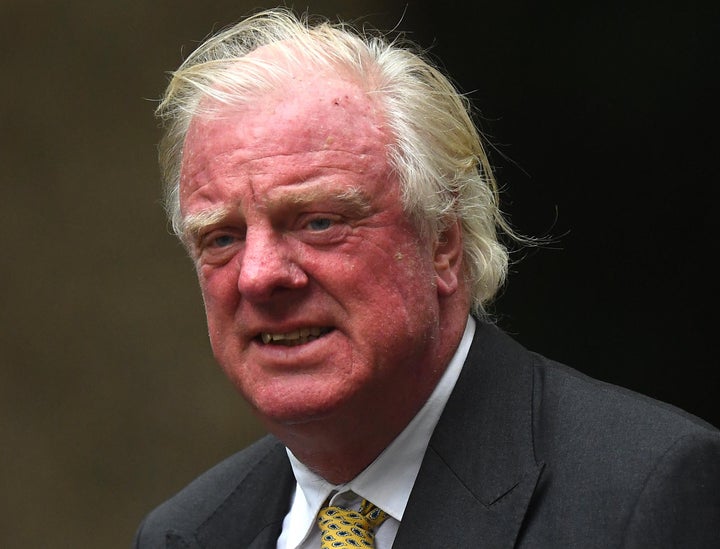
295	337
297	357
253	331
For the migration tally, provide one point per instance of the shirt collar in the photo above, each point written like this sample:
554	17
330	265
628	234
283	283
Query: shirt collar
388	480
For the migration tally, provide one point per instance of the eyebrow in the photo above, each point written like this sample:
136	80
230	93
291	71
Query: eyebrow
193	224
352	199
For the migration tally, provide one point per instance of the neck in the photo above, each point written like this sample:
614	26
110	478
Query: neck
336	457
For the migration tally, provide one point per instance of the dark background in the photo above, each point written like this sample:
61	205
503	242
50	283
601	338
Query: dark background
604	120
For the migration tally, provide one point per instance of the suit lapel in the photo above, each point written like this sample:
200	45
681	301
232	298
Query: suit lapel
479	472
252	515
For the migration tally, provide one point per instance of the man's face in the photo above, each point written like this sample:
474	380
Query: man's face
320	295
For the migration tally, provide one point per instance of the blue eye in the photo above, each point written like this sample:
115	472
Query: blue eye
320	224
223	240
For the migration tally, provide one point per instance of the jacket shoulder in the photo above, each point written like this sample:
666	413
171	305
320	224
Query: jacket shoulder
175	522
571	406
625	466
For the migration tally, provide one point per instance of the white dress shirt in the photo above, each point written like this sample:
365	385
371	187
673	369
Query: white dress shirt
386	482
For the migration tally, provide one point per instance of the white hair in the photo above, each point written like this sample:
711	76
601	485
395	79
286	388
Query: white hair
437	152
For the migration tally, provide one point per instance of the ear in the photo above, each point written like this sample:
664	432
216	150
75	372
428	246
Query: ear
448	259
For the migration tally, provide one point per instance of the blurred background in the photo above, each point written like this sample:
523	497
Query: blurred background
603	118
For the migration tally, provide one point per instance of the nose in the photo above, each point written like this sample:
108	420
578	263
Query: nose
267	266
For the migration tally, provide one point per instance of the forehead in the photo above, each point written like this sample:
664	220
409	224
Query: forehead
312	121
311	112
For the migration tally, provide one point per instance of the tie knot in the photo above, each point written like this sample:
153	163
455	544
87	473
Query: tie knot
342	528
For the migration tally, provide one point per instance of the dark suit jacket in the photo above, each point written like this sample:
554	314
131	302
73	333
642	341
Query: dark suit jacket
527	453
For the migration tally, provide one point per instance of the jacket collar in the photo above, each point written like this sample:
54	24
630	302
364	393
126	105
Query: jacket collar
479	471
252	515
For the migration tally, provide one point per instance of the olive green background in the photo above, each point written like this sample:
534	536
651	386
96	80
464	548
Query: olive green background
604	123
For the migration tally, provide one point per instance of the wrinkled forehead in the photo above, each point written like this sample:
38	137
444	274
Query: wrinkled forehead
275	94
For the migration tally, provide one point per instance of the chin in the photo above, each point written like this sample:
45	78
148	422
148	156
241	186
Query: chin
296	407
293	415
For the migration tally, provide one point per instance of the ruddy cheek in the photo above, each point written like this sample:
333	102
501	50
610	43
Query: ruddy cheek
219	290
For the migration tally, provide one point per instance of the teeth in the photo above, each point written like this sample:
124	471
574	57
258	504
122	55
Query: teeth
295	337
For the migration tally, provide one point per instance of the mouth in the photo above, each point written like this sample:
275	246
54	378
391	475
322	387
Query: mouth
294	338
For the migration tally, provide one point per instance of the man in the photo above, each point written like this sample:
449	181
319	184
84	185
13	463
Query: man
336	200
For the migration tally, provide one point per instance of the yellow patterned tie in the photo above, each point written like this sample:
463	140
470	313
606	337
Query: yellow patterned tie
341	528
